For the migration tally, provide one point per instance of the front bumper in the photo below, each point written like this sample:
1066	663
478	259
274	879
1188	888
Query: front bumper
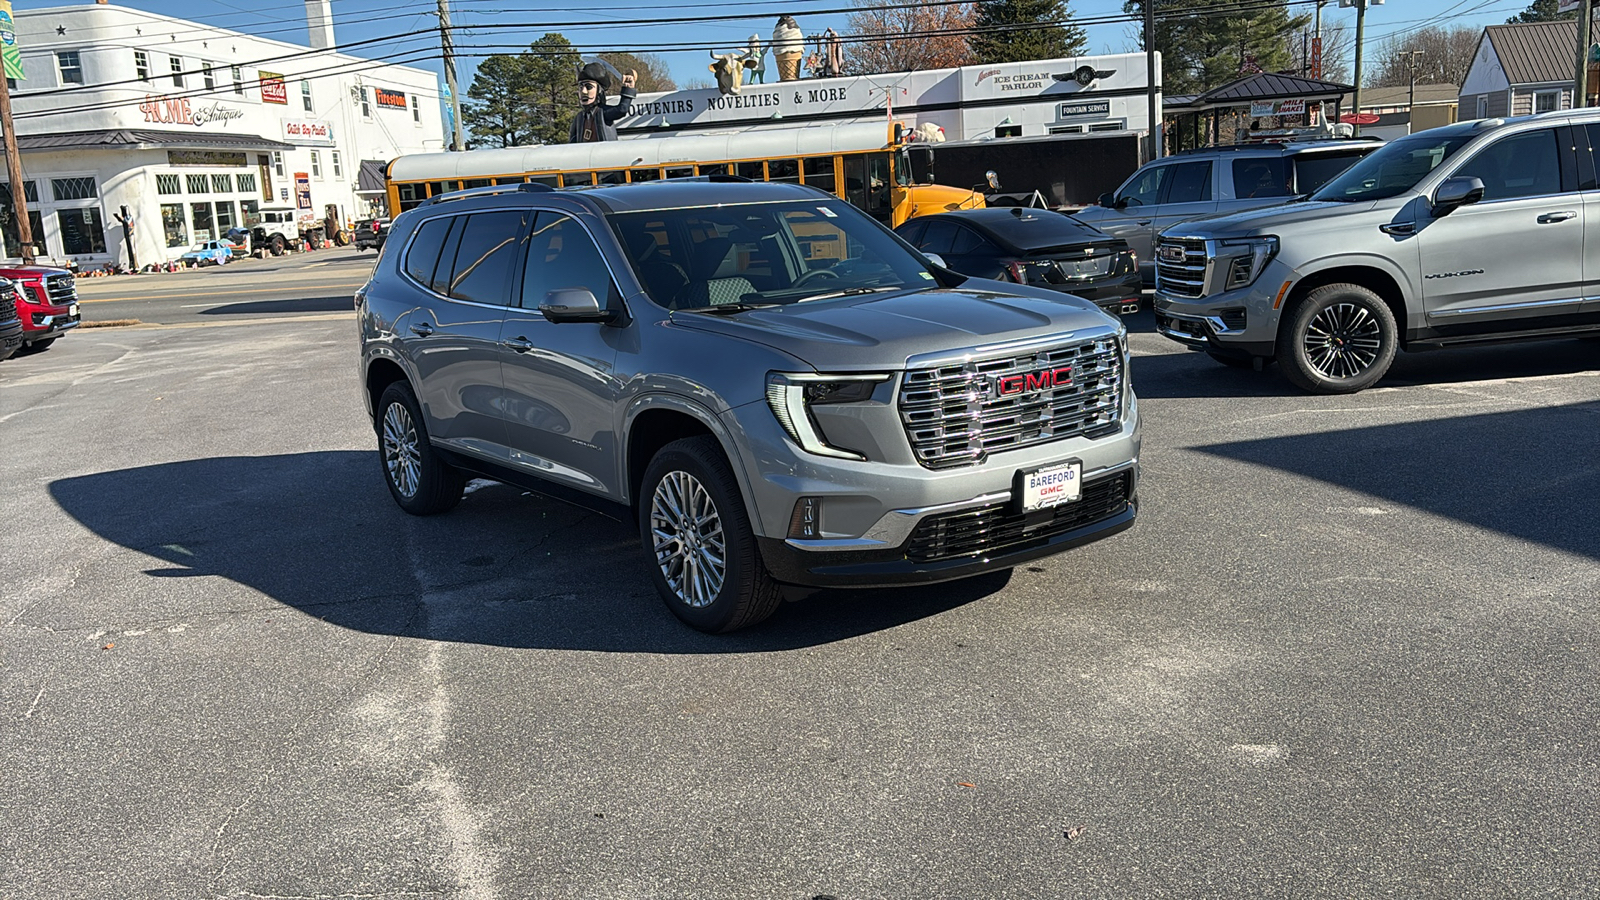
44	323
10	338
1242	322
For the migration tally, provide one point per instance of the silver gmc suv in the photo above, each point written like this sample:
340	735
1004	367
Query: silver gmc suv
1475	232
775	388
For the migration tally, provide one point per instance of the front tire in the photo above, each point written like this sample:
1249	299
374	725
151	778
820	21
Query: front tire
1338	339
693	525
276	245
421	482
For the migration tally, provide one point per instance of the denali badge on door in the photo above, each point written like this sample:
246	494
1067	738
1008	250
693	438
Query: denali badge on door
1051	486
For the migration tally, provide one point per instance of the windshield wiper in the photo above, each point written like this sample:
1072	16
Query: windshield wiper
729	307
851	292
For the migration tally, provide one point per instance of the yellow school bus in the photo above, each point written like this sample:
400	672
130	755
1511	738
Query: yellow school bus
864	164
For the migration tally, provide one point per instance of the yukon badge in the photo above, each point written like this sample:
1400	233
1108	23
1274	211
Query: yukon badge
1459	274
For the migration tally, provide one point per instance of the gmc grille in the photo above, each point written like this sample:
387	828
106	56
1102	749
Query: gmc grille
1181	279
955	415
998	529
8	303
61	289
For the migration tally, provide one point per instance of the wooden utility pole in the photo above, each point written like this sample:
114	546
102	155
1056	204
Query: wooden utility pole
1580	83
447	45
19	196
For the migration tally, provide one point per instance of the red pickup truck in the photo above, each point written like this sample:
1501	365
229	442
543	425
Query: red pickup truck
47	303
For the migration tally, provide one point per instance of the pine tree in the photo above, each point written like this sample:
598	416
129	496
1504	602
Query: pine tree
1204	44
1542	11
496	110
1018	30
552	93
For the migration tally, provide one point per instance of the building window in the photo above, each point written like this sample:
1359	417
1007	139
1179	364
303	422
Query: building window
168	184
277	163
71	68
141	64
247	183
416	109
199	184
338	170
225	220
305	95
81	231
208	75
202	221
238	80
1483	107
316	164
250	213
176	63
172	224
74	188
1543	101
30	192
366	107
221	184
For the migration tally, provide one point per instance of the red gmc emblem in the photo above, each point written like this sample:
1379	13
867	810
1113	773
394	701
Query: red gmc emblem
1032	382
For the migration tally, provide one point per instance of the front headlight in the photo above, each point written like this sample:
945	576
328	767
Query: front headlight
1246	259
791	396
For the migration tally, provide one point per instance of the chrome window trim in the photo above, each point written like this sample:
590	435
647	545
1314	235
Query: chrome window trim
1506	307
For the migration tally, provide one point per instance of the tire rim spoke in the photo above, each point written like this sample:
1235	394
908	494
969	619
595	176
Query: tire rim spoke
402	455
686	533
1343	340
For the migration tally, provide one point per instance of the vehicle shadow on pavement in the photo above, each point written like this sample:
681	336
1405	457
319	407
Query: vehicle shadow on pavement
1185	374
319	533
1530	474
345	303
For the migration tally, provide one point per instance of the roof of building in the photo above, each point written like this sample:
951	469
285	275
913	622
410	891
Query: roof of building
130	138
1535	52
1427	95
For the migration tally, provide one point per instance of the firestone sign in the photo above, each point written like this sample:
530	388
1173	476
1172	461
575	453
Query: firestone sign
389	99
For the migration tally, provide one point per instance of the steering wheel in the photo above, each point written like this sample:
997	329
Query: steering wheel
815	273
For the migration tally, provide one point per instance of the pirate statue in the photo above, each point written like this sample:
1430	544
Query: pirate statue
594	121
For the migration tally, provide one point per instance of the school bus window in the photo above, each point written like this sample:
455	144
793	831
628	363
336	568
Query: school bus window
754	170
510	179
714	169
435	188
547	180
479	182
784	170
680	171
638	175
576	179
411	196
819	173
614	176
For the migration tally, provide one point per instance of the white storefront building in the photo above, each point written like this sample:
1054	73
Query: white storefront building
194	129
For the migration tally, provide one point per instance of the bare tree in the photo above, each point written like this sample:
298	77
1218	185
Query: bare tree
907	43
1446	54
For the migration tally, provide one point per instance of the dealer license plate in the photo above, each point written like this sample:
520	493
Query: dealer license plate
1051	486
72	309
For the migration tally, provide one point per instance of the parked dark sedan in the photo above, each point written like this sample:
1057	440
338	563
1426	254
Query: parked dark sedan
1039	247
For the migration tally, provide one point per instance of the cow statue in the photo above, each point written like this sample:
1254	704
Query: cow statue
729	70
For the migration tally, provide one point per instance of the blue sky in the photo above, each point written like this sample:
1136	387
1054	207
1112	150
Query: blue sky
628	26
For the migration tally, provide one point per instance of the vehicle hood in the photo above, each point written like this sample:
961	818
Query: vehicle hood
1267	219
882	331
20	272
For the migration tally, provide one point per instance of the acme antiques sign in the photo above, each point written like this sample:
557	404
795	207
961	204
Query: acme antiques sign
179	111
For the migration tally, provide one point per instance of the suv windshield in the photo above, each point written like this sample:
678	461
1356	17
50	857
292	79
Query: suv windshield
763	254
1393	169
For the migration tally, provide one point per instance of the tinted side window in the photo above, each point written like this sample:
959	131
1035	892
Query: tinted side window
1263	176
912	231
1522	165
423	254
1191	183
485	256
1587	139
447	256
1313	170
967	242
1145	188
941	235
561	255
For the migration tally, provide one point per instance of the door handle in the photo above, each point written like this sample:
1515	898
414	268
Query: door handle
519	344
1551	218
1399	228
421	329
1145	221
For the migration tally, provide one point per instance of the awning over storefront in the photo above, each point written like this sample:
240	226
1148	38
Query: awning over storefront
140	139
370	180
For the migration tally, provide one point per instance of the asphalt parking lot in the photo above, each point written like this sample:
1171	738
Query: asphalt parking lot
1349	650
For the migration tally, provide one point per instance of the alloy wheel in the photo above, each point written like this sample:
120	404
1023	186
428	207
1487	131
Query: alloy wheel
686	532
1343	340
402	458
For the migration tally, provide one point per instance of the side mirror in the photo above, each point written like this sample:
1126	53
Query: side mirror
993	179
1456	192
937	260
1108	200
574	305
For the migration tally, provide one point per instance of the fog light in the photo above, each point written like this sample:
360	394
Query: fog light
806	521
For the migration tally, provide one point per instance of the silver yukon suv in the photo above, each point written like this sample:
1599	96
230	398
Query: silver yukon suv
774	387
1475	232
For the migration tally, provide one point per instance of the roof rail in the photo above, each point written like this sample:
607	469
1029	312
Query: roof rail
528	186
734	179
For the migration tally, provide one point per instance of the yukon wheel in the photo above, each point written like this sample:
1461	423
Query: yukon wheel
421	482
703	553
1339	339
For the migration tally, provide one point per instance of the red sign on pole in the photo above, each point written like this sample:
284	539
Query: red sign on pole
1316	57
